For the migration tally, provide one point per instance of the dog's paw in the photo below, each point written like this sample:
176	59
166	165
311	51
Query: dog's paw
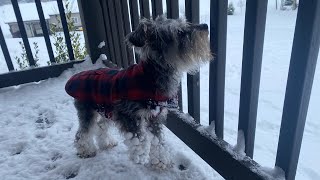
160	157
107	144
85	150
86	154
139	148
161	164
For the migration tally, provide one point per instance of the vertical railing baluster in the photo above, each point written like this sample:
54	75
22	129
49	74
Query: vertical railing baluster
120	27
255	21
45	30
110	37
23	32
134	14
94	28
218	43
157	9
173	13
193	81
5	51
65	29
303	63
127	29
173	9
144	9
115	33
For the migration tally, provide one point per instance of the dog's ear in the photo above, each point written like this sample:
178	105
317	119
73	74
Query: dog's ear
138	37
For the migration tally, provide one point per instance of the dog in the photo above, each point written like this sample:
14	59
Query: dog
137	98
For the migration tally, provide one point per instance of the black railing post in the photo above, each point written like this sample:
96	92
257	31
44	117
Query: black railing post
193	81
45	30
173	9
255	21
94	29
120	27
144	9
23	32
303	63
65	29
218	43
127	29
115	33
109	38
173	13
5	51
157	8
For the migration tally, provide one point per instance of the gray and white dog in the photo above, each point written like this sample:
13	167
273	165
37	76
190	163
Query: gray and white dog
167	48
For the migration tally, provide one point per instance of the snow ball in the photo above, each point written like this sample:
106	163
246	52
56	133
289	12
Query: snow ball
155	141
127	142
128	135
136	159
135	141
155	161
103	57
102	44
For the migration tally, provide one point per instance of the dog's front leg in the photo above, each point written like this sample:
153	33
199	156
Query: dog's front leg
138	140
160	156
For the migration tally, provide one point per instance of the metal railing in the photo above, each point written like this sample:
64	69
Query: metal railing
112	20
35	74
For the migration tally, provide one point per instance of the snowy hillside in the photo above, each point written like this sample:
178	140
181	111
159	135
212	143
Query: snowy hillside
21	138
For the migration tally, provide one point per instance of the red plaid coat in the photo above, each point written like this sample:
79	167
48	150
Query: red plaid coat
106	86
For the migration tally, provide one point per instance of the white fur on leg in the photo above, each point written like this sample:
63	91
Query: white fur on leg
160	156
103	137
84	144
139	146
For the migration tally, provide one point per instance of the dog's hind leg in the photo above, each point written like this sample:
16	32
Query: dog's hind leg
84	137
103	137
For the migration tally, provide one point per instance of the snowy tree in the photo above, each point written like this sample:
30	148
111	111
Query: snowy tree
230	9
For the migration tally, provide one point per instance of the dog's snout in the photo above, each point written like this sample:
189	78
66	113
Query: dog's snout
201	27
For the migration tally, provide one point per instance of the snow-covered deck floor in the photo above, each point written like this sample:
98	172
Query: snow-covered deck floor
37	127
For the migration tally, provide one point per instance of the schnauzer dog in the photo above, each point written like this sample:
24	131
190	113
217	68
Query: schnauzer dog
137	98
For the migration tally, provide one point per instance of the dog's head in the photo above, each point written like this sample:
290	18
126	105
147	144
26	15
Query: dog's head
174	42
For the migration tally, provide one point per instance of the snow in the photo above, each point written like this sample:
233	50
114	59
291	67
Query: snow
101	44
241	144
276	173
23	142
37	133
29	11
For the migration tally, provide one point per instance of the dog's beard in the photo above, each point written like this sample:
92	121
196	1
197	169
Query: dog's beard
191	59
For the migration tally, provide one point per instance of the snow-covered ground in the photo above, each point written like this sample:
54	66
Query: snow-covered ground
18	114
38	124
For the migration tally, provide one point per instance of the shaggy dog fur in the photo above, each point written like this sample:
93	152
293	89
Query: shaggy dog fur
170	47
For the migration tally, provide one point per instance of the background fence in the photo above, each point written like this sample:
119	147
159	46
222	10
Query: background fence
111	20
